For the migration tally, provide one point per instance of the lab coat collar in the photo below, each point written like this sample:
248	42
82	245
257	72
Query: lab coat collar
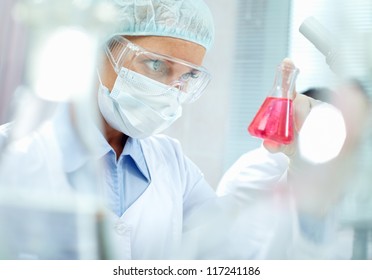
75	155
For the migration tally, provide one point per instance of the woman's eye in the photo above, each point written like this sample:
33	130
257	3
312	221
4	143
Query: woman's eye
156	65
195	74
192	75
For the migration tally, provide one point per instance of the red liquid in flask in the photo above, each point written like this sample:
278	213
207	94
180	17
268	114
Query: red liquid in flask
274	120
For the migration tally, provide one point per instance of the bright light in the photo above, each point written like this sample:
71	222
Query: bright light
65	65
322	135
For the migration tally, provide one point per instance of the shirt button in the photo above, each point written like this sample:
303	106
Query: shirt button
121	229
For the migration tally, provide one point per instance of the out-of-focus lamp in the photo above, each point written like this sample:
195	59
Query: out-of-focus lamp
65	36
322	135
64	40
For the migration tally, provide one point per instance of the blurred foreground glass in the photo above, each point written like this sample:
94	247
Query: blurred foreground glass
274	119
46	218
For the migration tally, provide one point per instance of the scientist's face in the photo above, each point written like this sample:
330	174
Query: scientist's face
181	49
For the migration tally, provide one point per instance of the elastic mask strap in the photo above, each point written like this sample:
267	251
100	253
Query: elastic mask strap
99	77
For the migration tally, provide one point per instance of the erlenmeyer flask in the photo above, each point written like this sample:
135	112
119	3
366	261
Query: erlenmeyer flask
274	119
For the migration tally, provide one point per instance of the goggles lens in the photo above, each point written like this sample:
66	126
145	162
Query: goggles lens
190	79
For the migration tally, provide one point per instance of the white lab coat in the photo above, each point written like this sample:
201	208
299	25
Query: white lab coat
272	222
152	227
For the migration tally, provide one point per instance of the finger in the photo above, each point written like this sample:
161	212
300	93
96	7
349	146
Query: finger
272	147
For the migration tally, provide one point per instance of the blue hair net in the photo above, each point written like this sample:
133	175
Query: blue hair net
190	20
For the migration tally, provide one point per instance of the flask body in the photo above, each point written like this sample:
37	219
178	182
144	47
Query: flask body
274	119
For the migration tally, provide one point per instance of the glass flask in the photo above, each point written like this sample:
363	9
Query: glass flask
274	119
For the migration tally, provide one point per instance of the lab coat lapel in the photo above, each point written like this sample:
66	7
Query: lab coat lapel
151	227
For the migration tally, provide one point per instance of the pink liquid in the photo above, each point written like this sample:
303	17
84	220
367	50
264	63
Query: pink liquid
274	120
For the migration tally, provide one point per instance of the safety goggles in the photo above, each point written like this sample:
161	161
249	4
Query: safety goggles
189	79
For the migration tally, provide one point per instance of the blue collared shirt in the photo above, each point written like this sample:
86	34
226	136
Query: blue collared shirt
126	178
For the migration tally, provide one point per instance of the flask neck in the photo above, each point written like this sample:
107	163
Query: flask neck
285	80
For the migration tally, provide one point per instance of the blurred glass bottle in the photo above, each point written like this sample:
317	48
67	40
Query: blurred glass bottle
274	119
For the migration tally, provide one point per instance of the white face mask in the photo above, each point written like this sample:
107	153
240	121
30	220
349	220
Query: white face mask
139	106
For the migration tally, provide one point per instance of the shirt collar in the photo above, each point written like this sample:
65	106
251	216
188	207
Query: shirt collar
75	155
133	148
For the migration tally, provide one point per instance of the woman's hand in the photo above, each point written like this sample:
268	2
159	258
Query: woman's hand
302	107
